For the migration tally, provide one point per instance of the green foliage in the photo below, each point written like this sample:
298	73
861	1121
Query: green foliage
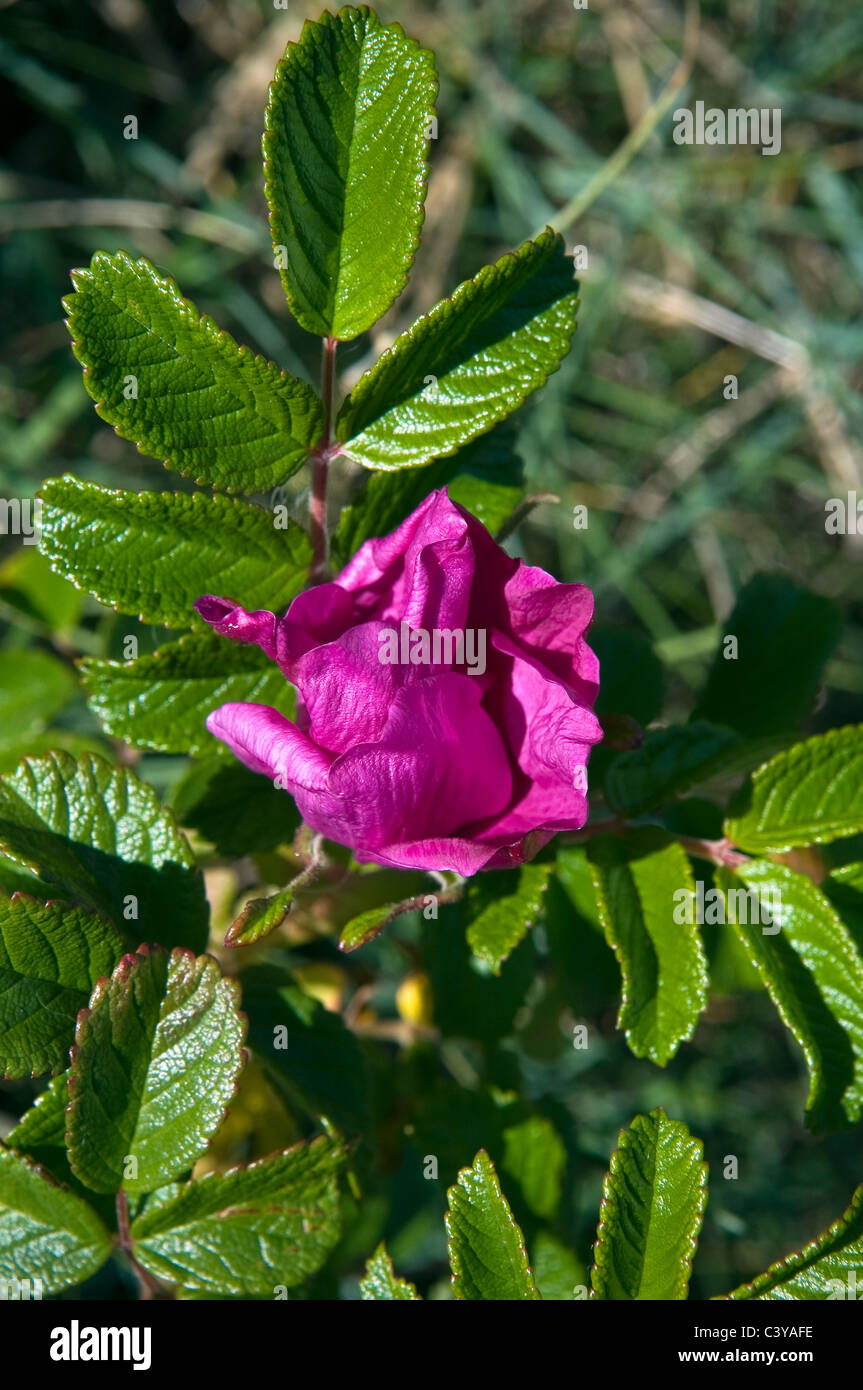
653	1201
486	1247
154	553
170	381
809	795
501	910
380	1282
345	167
46	1233
832	1261
467	364
662	962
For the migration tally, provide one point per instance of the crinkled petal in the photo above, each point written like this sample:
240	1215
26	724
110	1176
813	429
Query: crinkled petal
269	743
229	619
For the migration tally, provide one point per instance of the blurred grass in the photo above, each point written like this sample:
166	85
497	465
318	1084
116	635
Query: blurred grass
702	262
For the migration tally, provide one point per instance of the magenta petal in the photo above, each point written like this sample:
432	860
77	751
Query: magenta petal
267	742
465	857
228	619
347	690
549	620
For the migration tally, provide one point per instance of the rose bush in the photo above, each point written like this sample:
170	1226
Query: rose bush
425	764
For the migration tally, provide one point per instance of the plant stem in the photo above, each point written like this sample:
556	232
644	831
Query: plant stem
321	466
719	852
148	1287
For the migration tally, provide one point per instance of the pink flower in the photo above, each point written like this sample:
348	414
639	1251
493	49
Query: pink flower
445	691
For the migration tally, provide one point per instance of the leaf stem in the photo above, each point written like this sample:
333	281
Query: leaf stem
321	459
148	1287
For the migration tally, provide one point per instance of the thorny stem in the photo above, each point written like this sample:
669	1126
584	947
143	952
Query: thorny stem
321	459
147	1285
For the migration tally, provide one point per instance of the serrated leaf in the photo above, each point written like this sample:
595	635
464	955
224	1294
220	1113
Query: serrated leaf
501	909
662	962
249	1231
669	763
102	836
653	1200
484	477
814	975
155	1064
310	1057
811	794
844	889
238	811
51	956
33	686
380	1282
345	150
486	1248
467	364
260	917
153	554
829	1267
784	637
46	1233
534	1156
41	1130
172	382
162	701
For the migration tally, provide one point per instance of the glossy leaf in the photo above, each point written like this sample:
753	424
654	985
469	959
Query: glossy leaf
486	1247
249	1231
153	554
156	1062
662	961
829	1267
46	1233
162	701
345	164
467	364
51	956
811	794
813	972
380	1282
501	908
168	379
653	1200
100	834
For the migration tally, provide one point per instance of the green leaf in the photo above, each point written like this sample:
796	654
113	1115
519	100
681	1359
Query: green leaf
829	1267
498	338
633	681
33	687
844	889
813	972
811	794
662	962
557	1271
102	836
501	909
46	1233
486	1247
484	477
172	382
669	763
238	811
363	928
156	1062
162	701
534	1156
41	1130
345	150
51	956
470	1002
784	637
260	917
653	1200
311	1058
154	553
28	582
380	1282
249	1231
